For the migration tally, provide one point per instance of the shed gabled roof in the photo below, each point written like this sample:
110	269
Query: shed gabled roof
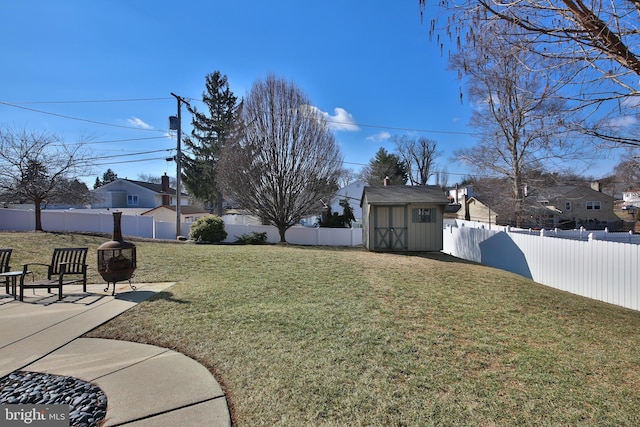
403	194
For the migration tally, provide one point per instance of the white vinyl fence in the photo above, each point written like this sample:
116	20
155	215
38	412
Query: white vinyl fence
607	271
579	262
147	227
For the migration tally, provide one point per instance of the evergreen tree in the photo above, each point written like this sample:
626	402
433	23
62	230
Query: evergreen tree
210	133
385	165
107	177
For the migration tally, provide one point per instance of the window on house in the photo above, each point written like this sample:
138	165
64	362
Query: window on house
593	205
567	206
132	200
424	215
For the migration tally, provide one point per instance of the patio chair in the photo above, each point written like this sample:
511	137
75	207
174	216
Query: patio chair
5	256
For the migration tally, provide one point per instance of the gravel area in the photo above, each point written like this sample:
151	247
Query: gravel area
87	402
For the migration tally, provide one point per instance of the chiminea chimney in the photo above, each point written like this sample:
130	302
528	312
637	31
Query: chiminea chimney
387	181
166	197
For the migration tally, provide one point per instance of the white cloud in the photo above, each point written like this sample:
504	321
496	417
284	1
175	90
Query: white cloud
340	121
134	121
631	102
382	136
623	122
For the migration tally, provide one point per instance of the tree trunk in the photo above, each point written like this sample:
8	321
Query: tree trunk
282	230
38	209
219	200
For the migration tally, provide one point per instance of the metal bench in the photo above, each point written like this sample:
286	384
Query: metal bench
5	256
68	266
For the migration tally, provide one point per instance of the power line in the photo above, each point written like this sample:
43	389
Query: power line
78	119
131	161
351	123
90	101
125	140
132	154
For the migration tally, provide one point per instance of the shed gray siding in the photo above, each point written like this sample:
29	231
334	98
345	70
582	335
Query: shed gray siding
390	222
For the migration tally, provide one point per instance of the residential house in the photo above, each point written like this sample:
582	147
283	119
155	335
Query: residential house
352	193
125	193
562	206
403	218
631	200
569	206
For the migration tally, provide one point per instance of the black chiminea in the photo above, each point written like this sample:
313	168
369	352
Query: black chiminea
117	258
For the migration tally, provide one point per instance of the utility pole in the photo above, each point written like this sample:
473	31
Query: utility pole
178	127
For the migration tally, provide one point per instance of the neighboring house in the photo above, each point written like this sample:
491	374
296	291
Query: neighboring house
631	200
403	218
477	211
125	193
168	213
352	193
568	206
563	206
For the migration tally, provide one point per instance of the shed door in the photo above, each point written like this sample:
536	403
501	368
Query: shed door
390	228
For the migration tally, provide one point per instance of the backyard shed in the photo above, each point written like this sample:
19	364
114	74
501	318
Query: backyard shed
402	218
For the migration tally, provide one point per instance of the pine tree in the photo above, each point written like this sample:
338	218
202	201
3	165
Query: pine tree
210	133
385	165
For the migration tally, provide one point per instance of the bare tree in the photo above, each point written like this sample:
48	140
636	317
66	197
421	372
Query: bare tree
522	120
347	176
285	160
597	42
41	168
442	178
627	173
419	155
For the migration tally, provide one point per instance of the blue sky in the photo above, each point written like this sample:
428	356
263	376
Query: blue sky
367	64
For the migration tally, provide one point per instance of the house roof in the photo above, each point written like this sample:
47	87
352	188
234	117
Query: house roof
563	191
156	188
151	186
403	194
184	210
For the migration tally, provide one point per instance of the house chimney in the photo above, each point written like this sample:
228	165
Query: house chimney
386	181
166	197
595	185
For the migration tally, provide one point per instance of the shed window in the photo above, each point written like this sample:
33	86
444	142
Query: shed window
132	200
593	205
424	215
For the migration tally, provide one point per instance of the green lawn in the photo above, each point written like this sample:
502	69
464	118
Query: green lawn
337	336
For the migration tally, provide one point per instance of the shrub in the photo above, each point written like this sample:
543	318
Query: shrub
254	238
208	229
